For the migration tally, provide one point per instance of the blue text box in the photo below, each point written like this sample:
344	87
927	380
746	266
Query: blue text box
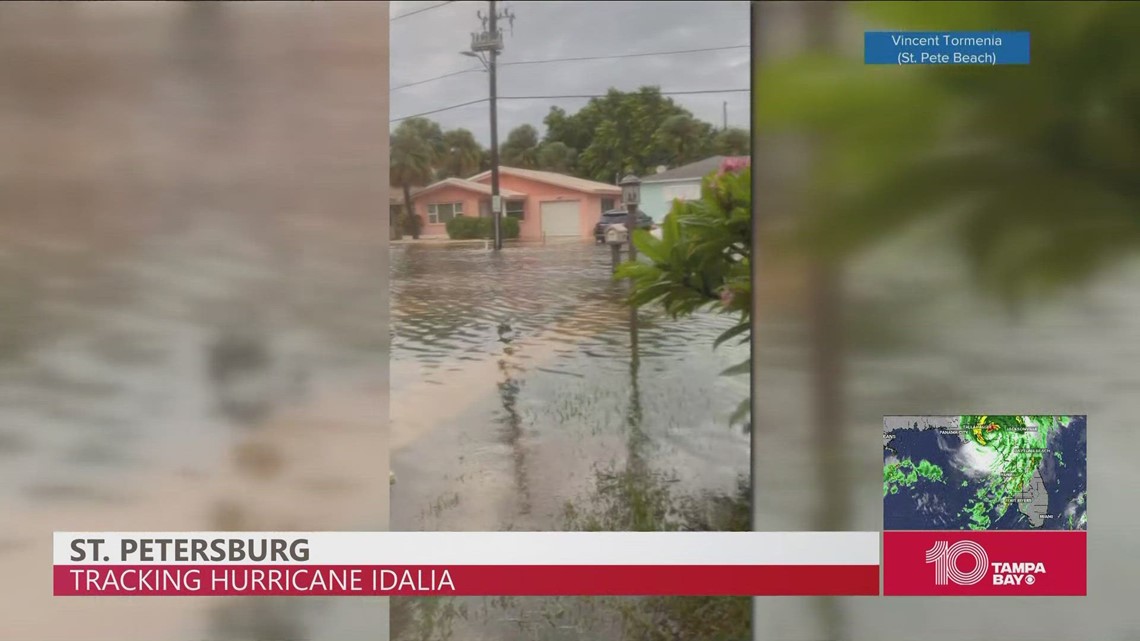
946	48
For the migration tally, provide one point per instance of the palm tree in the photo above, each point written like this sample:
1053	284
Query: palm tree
462	156
414	153
521	148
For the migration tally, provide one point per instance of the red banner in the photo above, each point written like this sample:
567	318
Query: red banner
1011	563
367	580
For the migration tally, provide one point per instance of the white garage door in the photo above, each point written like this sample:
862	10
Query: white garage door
561	218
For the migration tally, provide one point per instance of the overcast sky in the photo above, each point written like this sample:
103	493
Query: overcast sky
427	44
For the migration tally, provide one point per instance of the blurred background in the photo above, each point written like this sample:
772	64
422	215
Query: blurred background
941	240
193	295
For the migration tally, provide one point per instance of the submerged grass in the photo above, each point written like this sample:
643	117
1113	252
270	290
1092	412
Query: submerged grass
630	499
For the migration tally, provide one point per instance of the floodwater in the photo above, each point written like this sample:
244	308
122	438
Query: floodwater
527	359
516	383
193	383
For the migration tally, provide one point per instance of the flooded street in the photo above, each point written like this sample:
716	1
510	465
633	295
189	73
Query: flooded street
514	382
518	402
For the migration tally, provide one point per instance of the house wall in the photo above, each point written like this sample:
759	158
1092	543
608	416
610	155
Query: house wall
530	228
657	198
447	194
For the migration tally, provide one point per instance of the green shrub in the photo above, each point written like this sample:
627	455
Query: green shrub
468	228
510	227
464	228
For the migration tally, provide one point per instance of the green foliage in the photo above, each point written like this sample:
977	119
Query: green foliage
464	228
703	260
556	156
620	133
682	139
632	132
471	228
508	226
462	155
1029	170
521	148
416	147
732	142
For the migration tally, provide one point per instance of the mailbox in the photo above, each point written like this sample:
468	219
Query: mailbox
617	234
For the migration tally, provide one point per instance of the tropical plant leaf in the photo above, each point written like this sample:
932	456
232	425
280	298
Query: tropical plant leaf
743	367
735	330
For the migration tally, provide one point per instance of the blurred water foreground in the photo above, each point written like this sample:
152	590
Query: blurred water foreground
192	294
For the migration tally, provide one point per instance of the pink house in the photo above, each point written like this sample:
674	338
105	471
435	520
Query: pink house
546	204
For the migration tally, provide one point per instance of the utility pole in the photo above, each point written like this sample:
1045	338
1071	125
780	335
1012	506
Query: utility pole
724	117
496	199
490	40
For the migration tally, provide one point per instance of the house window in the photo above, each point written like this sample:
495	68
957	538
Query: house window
442	212
608	204
515	208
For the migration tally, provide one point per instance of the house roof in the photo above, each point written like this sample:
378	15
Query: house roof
469	186
692	171
396	194
553	178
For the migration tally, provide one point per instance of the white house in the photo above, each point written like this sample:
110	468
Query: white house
681	183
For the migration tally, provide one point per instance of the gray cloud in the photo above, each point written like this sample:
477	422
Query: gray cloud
427	45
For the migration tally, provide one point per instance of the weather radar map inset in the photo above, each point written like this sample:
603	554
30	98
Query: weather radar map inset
984	473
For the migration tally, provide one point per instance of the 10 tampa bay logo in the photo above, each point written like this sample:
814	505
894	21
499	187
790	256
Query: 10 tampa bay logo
945	558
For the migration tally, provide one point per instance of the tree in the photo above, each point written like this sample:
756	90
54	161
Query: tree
462	155
521	148
566	129
682	139
615	134
415	148
732	142
556	156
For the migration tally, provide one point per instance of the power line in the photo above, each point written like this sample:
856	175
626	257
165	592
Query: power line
435	111
624	55
563	97
595	95
575	59
427	80
412	13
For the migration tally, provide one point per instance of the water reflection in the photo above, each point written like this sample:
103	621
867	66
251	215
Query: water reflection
512	432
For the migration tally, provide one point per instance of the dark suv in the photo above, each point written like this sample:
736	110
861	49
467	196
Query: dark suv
616	216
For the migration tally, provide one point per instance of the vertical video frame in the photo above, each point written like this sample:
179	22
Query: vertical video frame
570	267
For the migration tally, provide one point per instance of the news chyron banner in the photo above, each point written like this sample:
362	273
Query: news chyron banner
984	505
466	563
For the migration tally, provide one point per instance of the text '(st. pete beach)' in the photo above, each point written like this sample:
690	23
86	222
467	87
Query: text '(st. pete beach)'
946	48
466	563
